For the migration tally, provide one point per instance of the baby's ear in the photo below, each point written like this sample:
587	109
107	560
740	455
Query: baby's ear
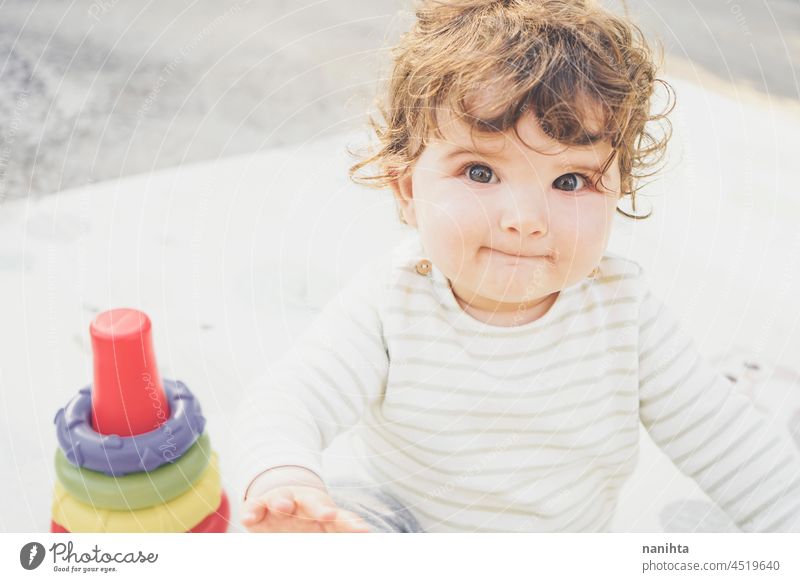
402	188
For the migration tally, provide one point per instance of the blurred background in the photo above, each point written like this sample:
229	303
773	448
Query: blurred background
94	90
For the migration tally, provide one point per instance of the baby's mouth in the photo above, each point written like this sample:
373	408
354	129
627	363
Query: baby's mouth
519	256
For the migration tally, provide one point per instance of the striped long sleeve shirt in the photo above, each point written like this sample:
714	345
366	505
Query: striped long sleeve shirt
476	427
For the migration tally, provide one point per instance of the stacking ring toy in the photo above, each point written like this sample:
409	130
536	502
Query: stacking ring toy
175	516
136	490
115	455
216	522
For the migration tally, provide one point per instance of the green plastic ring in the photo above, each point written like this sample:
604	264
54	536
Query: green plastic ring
135	490
177	515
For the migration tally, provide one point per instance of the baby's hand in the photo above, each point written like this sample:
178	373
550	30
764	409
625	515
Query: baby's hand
296	507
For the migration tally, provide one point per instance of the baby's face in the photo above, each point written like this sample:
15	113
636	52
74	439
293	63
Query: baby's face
509	226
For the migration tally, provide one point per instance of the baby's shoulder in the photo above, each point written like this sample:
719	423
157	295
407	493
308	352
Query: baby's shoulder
406	262
620	275
614	263
399	265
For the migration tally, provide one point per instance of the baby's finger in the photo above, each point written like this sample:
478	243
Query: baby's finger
253	512
319	510
346	521
283	504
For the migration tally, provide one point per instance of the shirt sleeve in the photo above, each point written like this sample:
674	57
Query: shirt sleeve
320	387
712	433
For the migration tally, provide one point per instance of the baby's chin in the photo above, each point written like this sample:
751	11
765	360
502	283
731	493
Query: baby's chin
515	290
528	278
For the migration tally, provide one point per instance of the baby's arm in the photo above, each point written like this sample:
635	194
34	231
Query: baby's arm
711	432
319	388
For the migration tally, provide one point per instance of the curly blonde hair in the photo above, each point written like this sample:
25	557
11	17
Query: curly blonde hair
552	57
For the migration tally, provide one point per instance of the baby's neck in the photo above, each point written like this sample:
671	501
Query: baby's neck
509	315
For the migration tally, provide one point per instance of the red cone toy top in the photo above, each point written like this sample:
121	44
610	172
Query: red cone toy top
127	395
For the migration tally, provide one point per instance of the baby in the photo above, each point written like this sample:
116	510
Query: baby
499	362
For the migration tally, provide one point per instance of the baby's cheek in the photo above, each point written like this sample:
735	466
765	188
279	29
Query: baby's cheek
597	222
587	217
453	232
584	236
446	246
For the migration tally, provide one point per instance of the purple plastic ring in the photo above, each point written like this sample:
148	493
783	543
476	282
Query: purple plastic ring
115	455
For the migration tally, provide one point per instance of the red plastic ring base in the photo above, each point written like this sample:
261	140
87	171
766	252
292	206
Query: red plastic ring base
216	522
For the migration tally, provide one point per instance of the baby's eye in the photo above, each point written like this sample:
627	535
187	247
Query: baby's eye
571	182
479	173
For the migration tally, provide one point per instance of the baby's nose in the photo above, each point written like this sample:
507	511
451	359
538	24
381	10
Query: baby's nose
527	220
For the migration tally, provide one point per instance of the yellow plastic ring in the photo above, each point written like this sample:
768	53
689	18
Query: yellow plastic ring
134	490
175	516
